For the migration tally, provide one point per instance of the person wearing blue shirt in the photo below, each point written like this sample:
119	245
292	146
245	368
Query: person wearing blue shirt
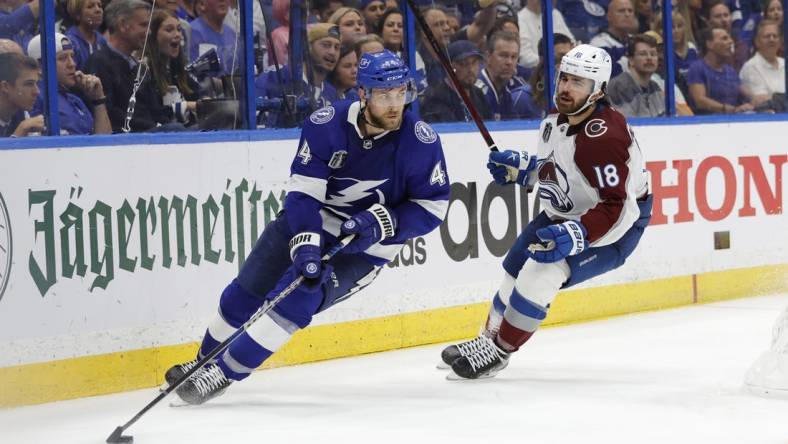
19	78
369	169
621	23
210	32
75	117
18	21
714	85
272	85
88	16
498	79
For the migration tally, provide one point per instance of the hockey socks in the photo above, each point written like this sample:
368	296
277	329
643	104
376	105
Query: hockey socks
520	320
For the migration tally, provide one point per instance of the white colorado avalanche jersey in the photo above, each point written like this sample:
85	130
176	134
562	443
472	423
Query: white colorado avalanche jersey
592	172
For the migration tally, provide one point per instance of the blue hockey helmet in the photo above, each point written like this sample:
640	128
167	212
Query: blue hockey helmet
381	71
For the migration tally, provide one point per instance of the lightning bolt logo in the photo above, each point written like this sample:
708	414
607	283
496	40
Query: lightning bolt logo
360	189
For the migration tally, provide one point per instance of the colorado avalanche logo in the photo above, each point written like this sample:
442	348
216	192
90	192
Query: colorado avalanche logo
595	128
322	115
553	185
425	133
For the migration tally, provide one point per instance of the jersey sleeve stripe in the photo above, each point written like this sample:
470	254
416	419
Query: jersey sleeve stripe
311	186
437	208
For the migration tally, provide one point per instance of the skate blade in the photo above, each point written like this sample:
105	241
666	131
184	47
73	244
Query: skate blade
442	366
451	376
179	403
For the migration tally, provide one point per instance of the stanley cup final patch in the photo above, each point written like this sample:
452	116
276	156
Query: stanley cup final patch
337	160
548	128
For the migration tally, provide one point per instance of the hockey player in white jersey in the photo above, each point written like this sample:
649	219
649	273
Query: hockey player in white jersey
368	168
593	189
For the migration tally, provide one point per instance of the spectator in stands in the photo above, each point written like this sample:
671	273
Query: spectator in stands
585	18
718	15
696	20
323	9
634	92
186	28
7	46
763	75
506	23
391	30
530	24
679	96
685	53
453	20
714	86
370	43
644	13
498	79
324	45
18	92
343	77
18	20
233	18
442	102
562	44
115	65
177	92
75	116
88	16
621	23
428	69
351	24
482	24
280	37
372	10
509	24
210	32
773	10
187	10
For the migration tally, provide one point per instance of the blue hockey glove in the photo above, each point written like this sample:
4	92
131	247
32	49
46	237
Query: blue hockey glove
311	285
305	253
371	226
510	167
560	241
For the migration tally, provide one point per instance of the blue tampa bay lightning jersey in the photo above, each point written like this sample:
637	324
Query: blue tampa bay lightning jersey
337	173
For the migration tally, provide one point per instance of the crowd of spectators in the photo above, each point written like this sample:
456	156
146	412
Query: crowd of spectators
174	65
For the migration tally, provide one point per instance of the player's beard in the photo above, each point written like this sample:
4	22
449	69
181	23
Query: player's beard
569	108
386	120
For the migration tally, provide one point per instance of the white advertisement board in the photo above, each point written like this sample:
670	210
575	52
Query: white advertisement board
127	247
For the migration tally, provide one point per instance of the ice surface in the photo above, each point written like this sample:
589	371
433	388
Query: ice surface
664	377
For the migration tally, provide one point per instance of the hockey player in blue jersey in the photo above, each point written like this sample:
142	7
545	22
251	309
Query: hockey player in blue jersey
367	168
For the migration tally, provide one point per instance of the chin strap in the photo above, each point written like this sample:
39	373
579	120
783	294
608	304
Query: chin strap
363	118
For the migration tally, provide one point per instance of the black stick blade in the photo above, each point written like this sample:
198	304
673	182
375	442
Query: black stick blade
117	437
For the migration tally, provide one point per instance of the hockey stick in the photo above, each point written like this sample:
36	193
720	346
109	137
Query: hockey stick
117	435
444	60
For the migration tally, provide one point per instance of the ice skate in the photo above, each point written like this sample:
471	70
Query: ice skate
485	362
455	351
208	383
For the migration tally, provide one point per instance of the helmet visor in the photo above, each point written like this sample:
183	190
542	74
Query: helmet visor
395	96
